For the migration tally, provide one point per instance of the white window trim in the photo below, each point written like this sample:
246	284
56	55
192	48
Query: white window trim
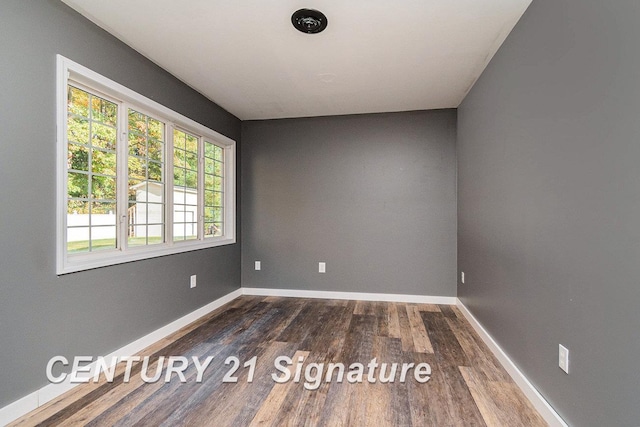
70	70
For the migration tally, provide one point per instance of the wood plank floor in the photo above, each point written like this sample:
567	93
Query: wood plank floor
467	387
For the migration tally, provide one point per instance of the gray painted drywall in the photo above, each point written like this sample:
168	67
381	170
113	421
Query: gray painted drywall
549	204
373	196
97	311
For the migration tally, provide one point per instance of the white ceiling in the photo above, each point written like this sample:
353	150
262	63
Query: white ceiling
374	56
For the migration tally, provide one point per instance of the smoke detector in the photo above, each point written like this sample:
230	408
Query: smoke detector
309	21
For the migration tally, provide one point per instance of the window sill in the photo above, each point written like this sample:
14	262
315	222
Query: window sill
82	262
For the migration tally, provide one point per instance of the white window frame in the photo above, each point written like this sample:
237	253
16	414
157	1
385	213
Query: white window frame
68	72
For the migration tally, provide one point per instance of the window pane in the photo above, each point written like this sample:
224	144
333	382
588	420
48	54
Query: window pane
103	187
78	130
134	241
78	185
103	162
78	239
135	186
179	197
103	111
103	136
179	139
137	122
140	215
155	234
103	226
137	145
191	144
137	168
208	198
208	181
191	197
213	214
217	184
191	231
134	227
191	161
178	158
107	210
218	153
78	157
156	129
103	238
75	209
208	214
217	214
78	101
155	171
155	149
178	177
191	179
208	166
208	150
218	169
155	213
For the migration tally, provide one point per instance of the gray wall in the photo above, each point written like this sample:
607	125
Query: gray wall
373	196
549	204
94	312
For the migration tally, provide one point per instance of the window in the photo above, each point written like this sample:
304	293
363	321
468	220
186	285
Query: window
145	175
91	172
213	190
136	180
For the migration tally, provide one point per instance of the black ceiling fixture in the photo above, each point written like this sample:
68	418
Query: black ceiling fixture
309	21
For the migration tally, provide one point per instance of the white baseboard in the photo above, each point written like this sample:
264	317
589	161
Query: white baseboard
49	392
362	296
20	407
548	413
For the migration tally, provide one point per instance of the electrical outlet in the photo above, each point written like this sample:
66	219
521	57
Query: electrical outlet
322	267
563	358
462	277
258	265
192	281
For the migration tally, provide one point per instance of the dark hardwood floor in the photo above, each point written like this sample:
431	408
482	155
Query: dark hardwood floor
467	386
